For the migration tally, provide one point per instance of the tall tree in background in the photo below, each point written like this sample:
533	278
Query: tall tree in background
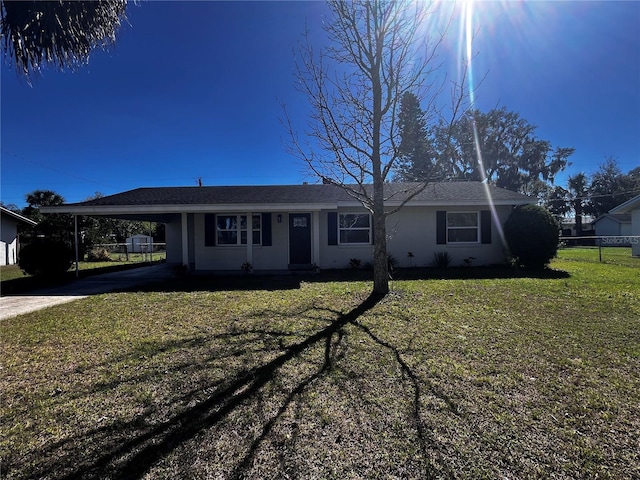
594	194
106	230
578	192
375	50
557	202
54	226
512	156
40	198
62	33
610	187
417	160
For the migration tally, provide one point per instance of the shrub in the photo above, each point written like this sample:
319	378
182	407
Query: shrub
532	234
355	263
46	258
441	259
98	255
392	263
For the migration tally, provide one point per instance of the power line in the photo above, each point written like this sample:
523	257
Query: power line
62	172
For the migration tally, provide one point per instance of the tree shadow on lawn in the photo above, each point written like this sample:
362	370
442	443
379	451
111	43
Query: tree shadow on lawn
294	280
158	444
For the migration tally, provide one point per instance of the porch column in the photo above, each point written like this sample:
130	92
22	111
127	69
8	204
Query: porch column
315	219
75	242
250	237
185	239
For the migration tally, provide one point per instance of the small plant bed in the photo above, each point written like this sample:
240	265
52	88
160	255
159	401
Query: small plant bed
465	378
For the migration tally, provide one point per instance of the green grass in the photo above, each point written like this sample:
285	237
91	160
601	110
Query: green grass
272	378
610	255
10	272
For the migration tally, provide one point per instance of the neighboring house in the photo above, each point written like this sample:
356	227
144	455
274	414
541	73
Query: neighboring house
139	243
10	222
569	227
631	207
288	227
618	224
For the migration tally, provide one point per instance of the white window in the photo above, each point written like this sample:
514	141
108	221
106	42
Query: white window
463	227
354	228
232	229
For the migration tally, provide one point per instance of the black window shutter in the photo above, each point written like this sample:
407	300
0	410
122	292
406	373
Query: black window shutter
373	230
266	230
332	228
441	227
485	226
209	230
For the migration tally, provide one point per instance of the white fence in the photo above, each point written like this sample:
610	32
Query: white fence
125	250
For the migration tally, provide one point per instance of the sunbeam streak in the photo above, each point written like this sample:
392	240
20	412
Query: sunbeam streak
467	32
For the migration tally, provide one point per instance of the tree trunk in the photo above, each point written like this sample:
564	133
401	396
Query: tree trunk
577	206
380	262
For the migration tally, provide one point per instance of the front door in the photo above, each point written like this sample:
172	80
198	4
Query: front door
299	239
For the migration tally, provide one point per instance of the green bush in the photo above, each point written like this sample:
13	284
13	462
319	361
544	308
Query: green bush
46	258
533	236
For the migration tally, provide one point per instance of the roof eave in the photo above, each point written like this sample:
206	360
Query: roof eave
256	207
18	217
627	206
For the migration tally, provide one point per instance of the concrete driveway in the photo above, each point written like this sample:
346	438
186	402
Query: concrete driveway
11	306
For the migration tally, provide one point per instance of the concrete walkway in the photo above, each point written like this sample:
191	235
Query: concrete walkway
11	306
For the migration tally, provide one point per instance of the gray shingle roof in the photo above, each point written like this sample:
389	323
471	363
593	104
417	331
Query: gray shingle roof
437	193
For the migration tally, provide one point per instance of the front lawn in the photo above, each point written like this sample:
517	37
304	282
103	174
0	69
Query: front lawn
460	378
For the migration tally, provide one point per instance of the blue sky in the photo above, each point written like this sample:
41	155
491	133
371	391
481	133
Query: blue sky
194	90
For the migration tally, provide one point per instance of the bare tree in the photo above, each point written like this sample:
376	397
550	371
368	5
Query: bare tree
378	51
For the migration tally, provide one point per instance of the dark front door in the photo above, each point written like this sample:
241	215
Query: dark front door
299	239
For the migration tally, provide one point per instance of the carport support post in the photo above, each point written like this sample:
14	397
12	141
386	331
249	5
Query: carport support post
150	244
185	240
75	240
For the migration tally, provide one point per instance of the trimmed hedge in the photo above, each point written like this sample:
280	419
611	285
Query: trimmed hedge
533	236
47	258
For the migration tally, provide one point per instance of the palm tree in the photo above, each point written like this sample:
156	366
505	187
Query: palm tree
62	33
578	190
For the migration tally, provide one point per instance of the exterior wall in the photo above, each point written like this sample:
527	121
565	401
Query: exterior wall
412	229
173	237
338	256
8	242
608	226
274	257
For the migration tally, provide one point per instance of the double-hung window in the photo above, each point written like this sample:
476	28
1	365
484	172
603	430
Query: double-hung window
232	229
354	228
463	227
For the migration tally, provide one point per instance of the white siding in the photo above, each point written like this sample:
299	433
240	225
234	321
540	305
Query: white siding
8	242
231	258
